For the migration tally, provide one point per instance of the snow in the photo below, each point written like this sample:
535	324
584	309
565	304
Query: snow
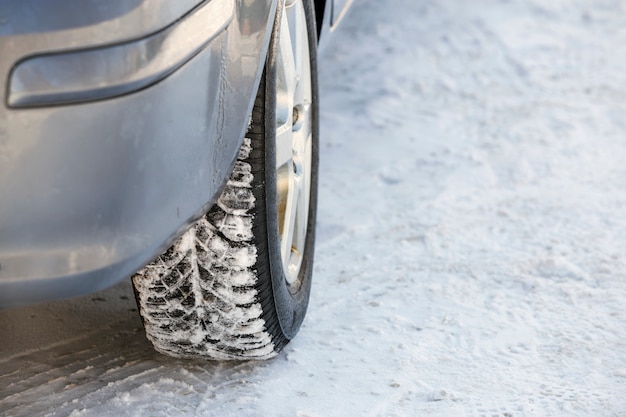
471	238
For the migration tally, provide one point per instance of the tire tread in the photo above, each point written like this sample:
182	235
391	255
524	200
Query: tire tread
200	298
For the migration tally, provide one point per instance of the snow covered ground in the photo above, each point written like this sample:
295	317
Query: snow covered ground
471	258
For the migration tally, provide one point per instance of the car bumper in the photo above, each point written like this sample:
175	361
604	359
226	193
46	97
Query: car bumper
96	185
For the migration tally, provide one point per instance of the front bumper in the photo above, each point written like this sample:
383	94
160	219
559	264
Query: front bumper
93	190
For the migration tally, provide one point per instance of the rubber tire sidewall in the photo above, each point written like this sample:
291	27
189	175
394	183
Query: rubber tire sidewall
291	301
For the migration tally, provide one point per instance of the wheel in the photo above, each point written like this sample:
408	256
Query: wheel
236	285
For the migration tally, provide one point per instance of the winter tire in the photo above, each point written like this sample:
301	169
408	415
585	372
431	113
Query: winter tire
236	285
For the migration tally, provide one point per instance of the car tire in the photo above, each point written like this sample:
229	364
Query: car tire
237	284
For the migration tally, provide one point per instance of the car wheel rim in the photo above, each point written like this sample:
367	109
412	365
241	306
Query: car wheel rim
294	136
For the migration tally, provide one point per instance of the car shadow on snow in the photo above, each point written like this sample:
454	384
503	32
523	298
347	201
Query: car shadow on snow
90	352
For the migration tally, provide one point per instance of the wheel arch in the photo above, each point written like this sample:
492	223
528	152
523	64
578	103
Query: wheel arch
320	11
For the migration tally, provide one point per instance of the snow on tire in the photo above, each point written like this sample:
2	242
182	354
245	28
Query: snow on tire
237	284
199	297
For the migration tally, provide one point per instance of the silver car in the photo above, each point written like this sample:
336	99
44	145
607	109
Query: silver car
174	141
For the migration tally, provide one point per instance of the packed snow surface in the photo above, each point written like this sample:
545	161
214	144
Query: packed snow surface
471	256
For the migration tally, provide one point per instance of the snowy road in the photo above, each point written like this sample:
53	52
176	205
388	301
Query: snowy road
471	258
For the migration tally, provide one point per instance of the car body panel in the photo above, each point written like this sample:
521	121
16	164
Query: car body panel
109	71
93	191
94	188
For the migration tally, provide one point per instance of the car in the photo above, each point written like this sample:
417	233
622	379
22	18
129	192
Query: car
174	142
